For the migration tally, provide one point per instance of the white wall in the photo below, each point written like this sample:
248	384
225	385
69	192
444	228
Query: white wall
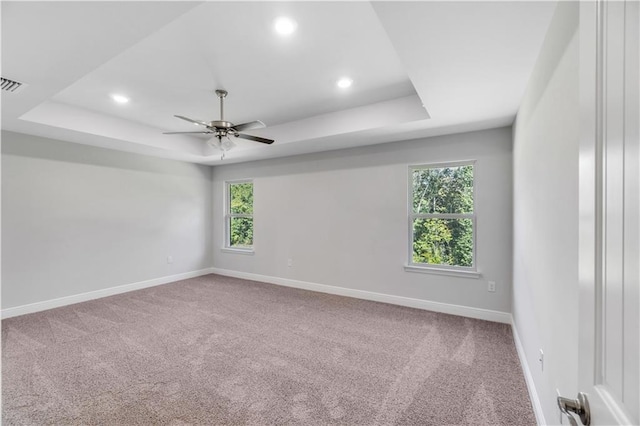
77	219
342	217
545	215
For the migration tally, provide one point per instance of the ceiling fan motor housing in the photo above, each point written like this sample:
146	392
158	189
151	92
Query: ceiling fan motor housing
221	124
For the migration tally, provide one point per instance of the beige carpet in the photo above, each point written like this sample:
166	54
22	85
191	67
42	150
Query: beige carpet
216	350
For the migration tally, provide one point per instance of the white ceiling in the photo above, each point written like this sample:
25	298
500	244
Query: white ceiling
419	69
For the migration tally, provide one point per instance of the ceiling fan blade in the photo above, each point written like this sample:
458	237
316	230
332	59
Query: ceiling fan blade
202	123
254	138
187	133
249	126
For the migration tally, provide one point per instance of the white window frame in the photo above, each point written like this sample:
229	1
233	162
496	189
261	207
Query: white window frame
464	271
228	216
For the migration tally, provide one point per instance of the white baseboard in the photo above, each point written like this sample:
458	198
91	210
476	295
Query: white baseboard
83	297
464	311
528	377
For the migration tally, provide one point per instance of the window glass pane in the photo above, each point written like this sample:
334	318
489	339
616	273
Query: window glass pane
443	242
241	232
241	198
443	190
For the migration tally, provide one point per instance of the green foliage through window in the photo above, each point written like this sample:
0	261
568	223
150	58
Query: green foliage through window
442	216
240	214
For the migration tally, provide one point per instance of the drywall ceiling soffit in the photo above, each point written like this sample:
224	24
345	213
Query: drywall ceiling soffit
168	57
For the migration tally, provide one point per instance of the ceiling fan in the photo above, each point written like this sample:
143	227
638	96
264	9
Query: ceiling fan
223	129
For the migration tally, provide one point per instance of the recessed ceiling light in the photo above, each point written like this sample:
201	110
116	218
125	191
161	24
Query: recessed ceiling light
285	26
121	99
344	82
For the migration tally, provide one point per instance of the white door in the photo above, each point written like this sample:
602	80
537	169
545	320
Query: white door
609	357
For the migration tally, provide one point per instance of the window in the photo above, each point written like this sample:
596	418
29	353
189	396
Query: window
442	219
239	215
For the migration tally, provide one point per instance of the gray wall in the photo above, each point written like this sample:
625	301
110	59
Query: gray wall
545	167
342	217
77	218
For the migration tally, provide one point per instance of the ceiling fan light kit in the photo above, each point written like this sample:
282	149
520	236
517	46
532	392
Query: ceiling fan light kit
223	145
224	129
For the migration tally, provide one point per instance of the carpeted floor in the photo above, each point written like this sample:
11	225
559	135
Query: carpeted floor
217	350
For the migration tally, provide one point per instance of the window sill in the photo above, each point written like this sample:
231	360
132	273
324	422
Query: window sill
249	252
442	271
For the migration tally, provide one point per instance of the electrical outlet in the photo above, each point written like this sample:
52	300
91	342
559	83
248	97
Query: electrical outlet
289	262
169	259
491	286
541	360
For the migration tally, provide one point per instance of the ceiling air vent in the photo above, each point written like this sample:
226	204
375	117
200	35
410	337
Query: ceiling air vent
11	85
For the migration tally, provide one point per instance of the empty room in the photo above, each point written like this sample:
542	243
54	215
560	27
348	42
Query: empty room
320	213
